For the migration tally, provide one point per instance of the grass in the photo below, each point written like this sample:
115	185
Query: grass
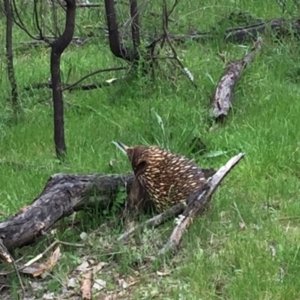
218	259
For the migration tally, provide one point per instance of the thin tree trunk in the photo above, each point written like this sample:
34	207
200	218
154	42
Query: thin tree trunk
57	48
116	47
10	59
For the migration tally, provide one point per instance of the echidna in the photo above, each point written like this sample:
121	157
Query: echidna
167	177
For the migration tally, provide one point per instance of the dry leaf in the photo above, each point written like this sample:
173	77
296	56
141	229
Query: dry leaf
158	273
112	162
72	283
48	296
83	235
85	266
37	269
86	285
242	225
111	80
99	284
272	249
99	267
122	283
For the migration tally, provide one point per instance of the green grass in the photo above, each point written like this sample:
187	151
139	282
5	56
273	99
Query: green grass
217	259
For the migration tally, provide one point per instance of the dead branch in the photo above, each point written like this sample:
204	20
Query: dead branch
279	26
222	96
155	221
197	201
71	87
166	37
62	195
11	260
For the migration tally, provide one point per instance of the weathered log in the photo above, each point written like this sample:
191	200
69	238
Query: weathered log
62	195
222	96
197	202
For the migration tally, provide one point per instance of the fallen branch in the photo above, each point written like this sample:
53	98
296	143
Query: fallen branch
62	195
279	26
78	41
72	87
155	221
197	201
222	96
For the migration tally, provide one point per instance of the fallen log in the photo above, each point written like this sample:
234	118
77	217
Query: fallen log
196	202
222	95
278	26
62	195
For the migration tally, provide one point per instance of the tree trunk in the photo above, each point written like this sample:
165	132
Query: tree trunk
10	59
116	47
57	48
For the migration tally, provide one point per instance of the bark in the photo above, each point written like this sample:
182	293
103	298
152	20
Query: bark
62	195
222	96
10	58
57	48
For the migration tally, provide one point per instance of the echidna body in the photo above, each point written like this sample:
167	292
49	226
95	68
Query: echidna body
168	177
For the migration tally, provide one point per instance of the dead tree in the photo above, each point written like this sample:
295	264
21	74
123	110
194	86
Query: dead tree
10	59
116	46
58	46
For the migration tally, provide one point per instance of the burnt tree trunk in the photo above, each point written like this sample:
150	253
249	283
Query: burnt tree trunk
57	48
135	30
116	47
10	59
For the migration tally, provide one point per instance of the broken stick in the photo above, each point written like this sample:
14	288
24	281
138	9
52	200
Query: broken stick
222	96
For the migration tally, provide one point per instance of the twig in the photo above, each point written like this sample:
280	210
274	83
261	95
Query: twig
239	213
166	36
11	259
198	201
69	87
39	256
155	221
56	242
172	9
